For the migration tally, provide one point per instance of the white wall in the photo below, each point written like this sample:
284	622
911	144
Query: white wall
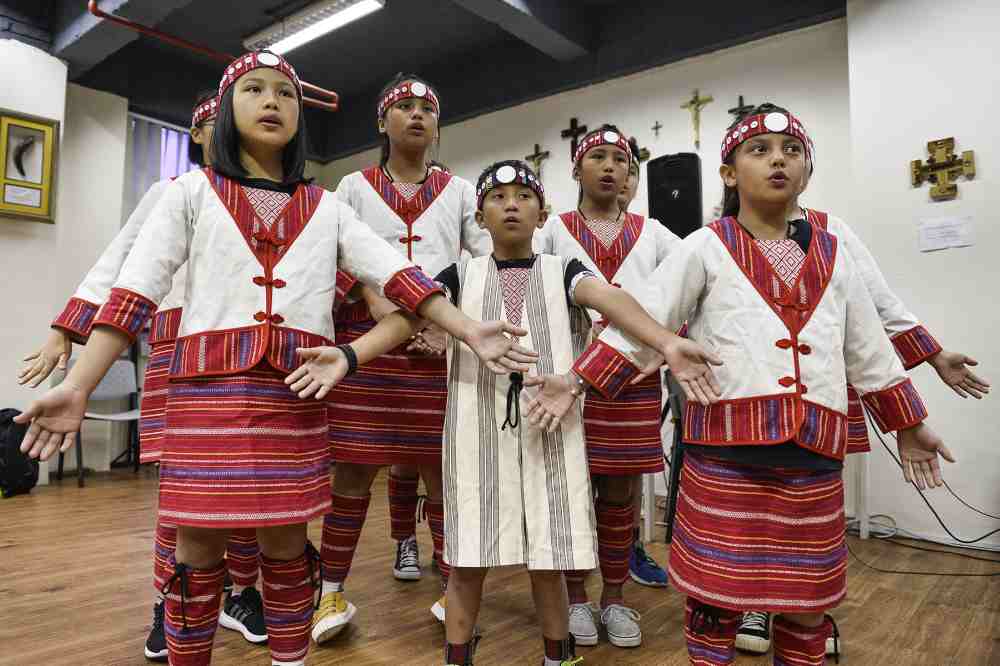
812	81
44	263
921	70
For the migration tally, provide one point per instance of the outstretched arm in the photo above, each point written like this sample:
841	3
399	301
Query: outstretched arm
55	417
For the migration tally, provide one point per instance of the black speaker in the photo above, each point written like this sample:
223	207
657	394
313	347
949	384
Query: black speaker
674	186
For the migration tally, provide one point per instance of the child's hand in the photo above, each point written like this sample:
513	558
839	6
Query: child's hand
953	371
654	365
552	401
322	369
919	448
498	352
430	341
55	419
54	353
691	365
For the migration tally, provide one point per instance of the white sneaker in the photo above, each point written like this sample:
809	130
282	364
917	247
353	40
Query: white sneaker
439	608
407	566
581	624
333	615
622	625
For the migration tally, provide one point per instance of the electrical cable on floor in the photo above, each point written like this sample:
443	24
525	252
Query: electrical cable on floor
924	498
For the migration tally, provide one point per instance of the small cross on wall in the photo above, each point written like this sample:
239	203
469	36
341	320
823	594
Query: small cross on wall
573	133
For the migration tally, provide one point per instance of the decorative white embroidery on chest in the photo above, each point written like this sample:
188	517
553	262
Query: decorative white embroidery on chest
407	190
266	203
606	231
514	284
785	256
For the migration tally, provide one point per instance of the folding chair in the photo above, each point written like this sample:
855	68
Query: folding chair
120	382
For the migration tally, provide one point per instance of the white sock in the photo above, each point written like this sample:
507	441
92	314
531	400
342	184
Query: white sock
552	662
329	587
289	663
237	590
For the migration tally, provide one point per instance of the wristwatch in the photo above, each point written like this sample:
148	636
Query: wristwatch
577	385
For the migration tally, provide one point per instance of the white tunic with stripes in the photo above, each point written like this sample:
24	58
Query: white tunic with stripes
516	495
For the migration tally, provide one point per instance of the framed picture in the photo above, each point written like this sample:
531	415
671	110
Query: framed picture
27	166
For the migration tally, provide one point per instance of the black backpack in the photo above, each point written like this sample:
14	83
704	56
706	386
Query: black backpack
18	472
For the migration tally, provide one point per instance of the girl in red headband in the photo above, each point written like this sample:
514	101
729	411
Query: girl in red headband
245	445
243	608
760	517
622	434
392	411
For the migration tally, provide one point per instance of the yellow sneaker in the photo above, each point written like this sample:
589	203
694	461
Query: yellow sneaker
334	614
438	609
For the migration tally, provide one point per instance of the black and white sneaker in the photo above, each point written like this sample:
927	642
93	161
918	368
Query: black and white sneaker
244	612
407	566
754	634
156	643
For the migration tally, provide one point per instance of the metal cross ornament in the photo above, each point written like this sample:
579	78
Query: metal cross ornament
573	132
695	105
942	168
536	158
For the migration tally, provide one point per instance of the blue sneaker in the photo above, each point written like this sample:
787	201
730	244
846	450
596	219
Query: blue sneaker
644	570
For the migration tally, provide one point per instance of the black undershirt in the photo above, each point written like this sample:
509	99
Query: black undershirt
448	277
271	185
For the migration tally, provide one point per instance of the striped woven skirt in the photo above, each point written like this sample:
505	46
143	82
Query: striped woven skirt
623	435
153	409
243	451
759	538
857	427
391	411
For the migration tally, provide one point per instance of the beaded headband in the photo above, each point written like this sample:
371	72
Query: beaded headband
505	173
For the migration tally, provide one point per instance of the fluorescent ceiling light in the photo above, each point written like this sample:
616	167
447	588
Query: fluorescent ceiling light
308	24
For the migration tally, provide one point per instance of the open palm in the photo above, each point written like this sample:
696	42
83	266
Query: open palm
55	420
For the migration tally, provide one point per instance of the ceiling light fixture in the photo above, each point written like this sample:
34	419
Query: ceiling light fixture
306	25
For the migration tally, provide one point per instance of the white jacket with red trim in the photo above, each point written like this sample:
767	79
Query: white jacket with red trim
786	350
251	291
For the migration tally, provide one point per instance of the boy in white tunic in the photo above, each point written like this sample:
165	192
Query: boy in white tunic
517	493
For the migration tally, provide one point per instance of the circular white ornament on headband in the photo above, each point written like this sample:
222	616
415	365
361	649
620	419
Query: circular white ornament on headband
268	59
611	137
418	89
506	174
776	122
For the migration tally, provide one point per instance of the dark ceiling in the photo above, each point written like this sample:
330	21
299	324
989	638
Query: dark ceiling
476	65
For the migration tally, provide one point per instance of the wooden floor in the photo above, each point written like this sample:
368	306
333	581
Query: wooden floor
75	588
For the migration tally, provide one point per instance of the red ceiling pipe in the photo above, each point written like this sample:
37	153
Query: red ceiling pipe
331	105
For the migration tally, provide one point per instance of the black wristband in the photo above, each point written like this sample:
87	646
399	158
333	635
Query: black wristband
352	358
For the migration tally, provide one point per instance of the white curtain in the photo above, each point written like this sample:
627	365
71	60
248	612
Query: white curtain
156	151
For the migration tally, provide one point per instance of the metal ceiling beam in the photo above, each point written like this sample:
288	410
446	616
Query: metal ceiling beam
557	28
83	40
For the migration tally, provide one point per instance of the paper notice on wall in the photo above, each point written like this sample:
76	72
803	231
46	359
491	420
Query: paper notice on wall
942	233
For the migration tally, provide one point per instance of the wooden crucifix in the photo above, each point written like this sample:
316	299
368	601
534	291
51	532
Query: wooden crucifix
657	126
536	158
741	109
695	105
573	133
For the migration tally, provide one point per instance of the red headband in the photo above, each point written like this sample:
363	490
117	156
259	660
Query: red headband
775	122
407	90
602	138
205	111
254	60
